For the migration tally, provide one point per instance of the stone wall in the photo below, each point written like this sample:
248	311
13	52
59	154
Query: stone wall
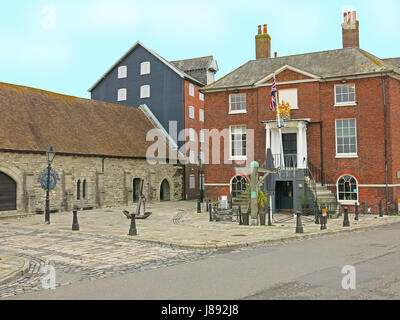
109	181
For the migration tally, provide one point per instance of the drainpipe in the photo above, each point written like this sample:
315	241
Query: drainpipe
386	143
322	153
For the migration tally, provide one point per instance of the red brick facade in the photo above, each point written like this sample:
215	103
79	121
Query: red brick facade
316	101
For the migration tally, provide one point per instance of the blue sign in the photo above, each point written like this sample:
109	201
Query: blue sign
53	179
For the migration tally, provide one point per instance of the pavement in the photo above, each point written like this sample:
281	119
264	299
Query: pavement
12	267
173	234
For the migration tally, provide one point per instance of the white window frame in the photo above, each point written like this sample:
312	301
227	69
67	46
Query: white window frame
192	135
240	157
201	115
348	103
192	112
201	96
192	181
122	72
191	89
202	136
347	202
346	155
238	95
122	94
145	68
145	91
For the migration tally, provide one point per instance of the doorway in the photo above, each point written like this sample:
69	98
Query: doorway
289	142
136	189
284	196
165	191
8	193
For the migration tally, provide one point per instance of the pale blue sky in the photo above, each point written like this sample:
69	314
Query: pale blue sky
89	36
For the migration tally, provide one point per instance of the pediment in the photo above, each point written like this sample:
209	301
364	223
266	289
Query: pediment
288	73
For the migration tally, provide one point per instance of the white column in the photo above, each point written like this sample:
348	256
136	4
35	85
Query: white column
268	137
302	146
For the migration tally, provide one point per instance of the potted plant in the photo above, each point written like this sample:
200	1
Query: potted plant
262	200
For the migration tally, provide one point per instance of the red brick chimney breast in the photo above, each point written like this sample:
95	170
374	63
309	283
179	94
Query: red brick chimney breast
263	44
350	30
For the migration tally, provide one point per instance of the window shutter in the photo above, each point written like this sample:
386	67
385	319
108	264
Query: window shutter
122	94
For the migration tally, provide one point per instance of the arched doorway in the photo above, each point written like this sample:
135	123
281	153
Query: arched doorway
136	189
238	186
165	193
8	193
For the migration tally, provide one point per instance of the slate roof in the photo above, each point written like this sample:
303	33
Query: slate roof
33	119
393	61
181	73
196	64
342	62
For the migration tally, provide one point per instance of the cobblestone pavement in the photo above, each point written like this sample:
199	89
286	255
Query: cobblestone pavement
80	257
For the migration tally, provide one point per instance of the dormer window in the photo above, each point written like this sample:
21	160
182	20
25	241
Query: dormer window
145	68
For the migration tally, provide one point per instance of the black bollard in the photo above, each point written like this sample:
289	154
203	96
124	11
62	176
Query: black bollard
240	216
210	211
75	224
299	226
207	204
132	230
198	204
346	222
356	208
380	209
324	218
269	217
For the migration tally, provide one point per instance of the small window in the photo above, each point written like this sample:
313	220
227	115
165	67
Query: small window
122	94
122	72
192	135
237	103
201	96
78	190
201	115
345	94
145	91
84	189
346	137
191	90
191	112
145	68
289	96
192	181
201	136
347	189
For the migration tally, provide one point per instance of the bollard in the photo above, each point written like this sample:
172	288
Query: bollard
132	230
324	218
346	222
75	224
207	204
210	211
356	208
240	216
269	217
299	226
380	209
317	213
198	204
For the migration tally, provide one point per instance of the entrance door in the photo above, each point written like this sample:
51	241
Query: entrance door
165	191
136	189
8	193
284	195
289	141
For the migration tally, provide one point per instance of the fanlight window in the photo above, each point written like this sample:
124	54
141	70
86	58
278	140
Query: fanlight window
348	189
239	185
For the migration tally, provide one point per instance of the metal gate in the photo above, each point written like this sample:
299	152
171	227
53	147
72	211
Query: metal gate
8	193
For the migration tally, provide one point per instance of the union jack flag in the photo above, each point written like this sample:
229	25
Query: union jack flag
273	96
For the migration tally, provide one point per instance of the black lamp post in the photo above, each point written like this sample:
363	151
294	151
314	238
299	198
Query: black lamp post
50	157
201	180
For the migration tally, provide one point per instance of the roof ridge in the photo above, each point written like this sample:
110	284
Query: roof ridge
206	87
205	57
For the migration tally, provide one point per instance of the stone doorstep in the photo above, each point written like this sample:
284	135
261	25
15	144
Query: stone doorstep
14	215
13	275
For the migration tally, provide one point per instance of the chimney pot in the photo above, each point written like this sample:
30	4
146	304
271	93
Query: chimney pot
259	29
354	16
345	17
349	16
276	54
265	29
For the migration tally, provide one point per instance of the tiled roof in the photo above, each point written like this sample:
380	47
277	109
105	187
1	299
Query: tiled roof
343	62
33	119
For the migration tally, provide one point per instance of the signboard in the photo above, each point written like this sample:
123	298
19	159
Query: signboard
53	179
324	212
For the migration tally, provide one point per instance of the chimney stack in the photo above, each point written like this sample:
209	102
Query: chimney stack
263	43
350	30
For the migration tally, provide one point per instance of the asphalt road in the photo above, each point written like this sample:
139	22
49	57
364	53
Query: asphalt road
309	269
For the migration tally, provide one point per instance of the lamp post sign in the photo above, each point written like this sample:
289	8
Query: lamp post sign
53	179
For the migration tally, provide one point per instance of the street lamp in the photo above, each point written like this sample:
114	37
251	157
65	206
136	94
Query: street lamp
50	157
201	180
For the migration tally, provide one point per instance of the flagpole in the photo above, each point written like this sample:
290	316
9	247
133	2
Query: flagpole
278	117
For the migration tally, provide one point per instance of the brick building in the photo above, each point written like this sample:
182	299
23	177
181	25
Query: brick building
100	152
170	89
342	141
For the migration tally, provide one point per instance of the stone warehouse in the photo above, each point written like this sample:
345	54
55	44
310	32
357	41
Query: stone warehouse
100	152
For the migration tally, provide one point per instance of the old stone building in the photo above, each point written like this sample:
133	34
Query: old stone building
100	152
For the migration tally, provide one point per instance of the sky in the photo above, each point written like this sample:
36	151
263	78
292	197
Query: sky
66	46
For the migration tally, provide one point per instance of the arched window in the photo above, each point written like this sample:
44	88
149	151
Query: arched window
238	186
78	190
84	189
347	188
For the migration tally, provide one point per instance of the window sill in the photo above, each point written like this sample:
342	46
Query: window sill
237	158
238	112
347	156
347	104
349	202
